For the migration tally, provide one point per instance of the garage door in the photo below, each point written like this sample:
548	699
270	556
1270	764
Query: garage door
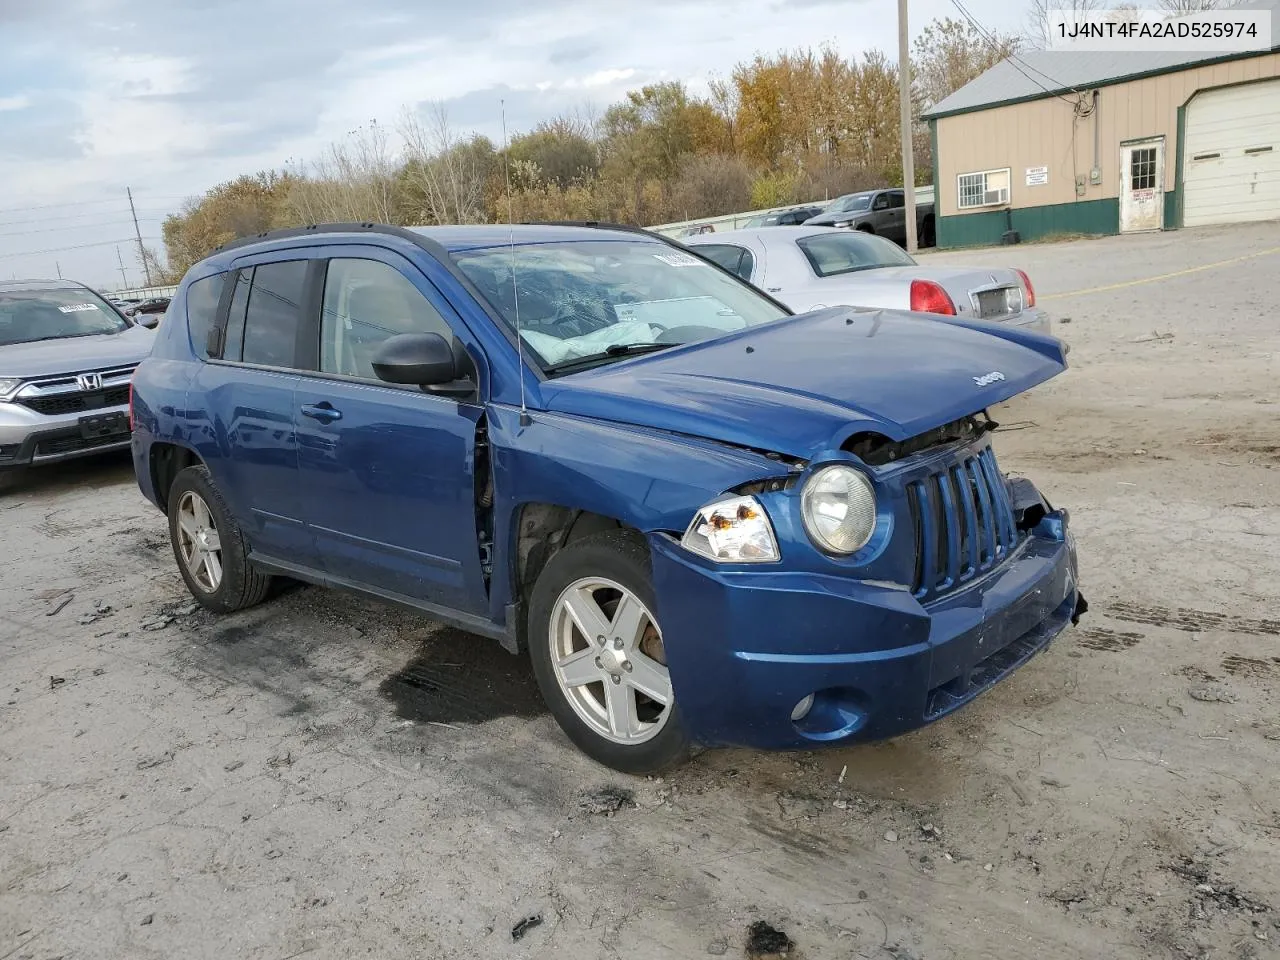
1231	162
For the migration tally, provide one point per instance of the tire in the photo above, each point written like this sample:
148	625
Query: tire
237	584
11	478
866	228
608	717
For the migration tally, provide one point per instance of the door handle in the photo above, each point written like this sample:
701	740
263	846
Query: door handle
323	411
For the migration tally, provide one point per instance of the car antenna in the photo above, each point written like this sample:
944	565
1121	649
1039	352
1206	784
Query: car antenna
515	287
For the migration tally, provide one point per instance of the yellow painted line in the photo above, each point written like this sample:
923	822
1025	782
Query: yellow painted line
1164	276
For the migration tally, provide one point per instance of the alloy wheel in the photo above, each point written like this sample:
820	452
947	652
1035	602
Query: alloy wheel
608	657
198	542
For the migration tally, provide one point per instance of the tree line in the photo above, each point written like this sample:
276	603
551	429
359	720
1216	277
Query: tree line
794	127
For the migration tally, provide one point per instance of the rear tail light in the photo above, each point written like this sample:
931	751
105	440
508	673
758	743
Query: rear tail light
1026	284
928	297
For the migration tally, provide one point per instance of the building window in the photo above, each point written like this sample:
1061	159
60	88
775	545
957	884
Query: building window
1142	169
989	188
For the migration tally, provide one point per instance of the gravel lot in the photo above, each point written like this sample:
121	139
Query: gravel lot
325	777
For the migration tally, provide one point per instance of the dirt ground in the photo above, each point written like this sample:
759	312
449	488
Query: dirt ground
326	777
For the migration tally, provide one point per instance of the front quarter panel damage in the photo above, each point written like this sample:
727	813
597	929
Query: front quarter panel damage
645	479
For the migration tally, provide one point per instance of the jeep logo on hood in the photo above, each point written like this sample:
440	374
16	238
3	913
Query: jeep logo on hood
995	376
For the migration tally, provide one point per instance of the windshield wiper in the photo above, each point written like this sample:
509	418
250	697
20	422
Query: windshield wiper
615	350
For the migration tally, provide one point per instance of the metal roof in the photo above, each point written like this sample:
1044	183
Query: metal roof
1061	71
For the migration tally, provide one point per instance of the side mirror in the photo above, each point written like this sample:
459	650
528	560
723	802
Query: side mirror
148	320
420	359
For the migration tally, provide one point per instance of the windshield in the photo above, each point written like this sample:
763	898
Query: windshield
856	201
30	315
841	251
604	299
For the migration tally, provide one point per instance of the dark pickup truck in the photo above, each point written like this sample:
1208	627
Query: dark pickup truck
879	211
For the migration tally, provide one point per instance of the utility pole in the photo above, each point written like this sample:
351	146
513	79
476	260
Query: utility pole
142	252
123	279
904	101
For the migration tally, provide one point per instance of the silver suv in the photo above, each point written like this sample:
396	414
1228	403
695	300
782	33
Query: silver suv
66	359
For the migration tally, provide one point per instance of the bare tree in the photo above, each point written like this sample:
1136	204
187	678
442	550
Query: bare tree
1177	8
354	180
726	102
1038	30
150	265
446	173
1127	12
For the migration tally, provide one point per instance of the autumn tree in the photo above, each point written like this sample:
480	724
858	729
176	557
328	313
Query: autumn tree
649	132
561	150
711	185
950	53
237	208
797	126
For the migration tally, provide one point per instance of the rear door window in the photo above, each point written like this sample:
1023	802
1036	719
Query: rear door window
273	315
233	339
202	310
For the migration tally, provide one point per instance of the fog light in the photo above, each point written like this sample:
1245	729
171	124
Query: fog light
801	709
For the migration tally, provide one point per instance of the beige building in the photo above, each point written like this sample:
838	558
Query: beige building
1063	142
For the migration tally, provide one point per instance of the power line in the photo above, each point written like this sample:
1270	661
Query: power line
79	226
80	203
76	216
1016	62
78	246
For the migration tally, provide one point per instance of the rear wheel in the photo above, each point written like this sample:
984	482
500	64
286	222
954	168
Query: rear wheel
599	658
211	551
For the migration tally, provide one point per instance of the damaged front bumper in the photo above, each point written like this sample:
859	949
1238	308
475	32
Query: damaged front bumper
779	660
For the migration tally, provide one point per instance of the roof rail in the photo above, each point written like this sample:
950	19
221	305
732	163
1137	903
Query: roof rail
286	233
369	226
595	224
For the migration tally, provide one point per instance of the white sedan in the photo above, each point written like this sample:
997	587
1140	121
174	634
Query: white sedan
810	267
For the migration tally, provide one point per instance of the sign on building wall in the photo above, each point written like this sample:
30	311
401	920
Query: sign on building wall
1037	176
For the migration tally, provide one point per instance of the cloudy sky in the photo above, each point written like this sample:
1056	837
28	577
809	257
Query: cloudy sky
169	97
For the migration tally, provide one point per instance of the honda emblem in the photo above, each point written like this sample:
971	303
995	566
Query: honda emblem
89	381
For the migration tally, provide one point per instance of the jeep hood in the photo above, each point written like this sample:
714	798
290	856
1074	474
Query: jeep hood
803	384
52	358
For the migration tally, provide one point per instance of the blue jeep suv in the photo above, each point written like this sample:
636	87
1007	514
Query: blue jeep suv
708	521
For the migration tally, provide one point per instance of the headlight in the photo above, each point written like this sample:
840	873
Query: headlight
843	223
732	530
8	385
839	509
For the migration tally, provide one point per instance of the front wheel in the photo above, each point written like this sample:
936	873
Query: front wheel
212	554
928	235
599	658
